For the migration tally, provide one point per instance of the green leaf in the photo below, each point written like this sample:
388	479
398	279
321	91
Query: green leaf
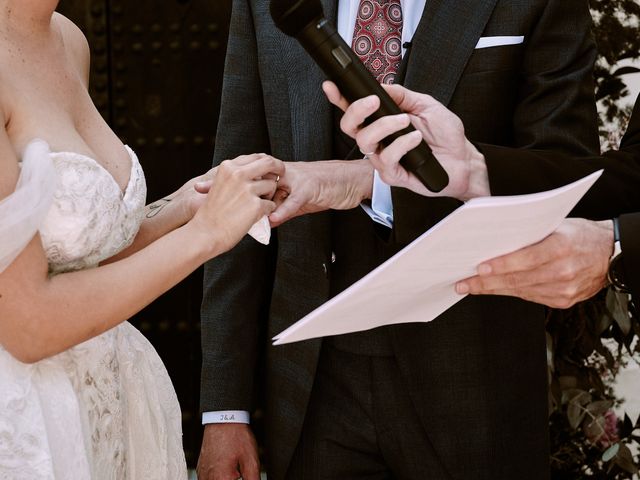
604	322
568	383
618	305
576	409
594	428
599	407
610	452
624	460
626	428
575	415
571	394
625	71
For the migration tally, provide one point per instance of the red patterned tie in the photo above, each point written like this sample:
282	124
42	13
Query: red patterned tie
377	38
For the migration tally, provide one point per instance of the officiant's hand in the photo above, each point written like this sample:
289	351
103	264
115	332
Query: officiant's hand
229	451
568	266
309	187
439	127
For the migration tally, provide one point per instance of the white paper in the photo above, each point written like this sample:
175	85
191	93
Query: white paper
418	283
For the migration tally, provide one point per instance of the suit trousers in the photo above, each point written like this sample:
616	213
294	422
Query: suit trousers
361	424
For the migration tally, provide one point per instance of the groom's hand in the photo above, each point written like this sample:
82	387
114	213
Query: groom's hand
229	451
309	187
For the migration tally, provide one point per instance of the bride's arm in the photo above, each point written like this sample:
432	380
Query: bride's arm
41	315
167	214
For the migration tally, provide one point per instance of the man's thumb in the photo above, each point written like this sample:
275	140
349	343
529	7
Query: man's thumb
286	208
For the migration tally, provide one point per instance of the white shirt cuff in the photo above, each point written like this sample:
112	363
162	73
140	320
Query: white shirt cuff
381	209
225	416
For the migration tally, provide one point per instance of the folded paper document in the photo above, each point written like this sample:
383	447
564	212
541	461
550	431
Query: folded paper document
418	283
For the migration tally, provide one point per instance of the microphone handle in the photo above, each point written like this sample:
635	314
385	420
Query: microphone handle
342	66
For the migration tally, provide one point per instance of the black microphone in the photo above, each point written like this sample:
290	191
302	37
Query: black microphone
305	20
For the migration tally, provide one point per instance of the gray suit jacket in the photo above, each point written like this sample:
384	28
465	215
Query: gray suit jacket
477	375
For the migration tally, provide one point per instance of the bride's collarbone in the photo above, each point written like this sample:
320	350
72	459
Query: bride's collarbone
66	134
75	127
50	101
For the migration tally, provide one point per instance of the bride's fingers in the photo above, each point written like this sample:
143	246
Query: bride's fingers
265	188
262	167
248	159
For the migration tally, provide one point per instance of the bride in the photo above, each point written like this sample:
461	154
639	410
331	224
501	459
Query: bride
82	393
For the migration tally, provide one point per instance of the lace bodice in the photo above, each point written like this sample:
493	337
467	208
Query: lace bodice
104	409
91	219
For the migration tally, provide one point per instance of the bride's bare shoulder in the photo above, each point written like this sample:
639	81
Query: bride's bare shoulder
76	44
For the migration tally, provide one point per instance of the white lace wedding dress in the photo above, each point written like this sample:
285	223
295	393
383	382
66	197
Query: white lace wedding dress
105	409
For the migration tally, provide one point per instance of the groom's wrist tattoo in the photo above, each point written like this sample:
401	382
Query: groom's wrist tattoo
155	208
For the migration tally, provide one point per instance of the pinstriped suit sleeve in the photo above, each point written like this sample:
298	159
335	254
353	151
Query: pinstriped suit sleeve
237	285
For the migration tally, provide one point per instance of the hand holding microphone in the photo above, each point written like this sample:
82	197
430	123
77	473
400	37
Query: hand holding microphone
439	127
304	20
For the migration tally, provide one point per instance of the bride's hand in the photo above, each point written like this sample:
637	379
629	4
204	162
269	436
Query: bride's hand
240	194
193	194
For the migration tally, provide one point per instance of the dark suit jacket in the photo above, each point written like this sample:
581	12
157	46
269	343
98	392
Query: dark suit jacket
477	375
616	193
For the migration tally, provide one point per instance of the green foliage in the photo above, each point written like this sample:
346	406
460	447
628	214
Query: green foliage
616	33
590	342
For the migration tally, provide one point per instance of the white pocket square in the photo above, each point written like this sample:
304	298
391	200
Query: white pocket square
486	42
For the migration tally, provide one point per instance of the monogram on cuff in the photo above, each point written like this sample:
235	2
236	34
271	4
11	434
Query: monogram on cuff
225	416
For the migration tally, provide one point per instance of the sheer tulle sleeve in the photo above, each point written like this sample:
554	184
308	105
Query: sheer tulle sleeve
22	212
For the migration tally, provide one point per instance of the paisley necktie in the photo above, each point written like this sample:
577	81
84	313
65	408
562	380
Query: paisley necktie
377	38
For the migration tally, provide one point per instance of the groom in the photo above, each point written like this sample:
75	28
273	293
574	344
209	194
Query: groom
463	397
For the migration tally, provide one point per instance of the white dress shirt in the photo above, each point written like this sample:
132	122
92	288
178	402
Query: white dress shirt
381	209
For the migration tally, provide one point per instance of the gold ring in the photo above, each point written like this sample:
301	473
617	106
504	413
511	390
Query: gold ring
368	154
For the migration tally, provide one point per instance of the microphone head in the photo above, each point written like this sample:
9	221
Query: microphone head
292	16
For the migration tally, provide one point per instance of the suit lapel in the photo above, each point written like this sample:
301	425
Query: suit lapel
311	119
444	41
